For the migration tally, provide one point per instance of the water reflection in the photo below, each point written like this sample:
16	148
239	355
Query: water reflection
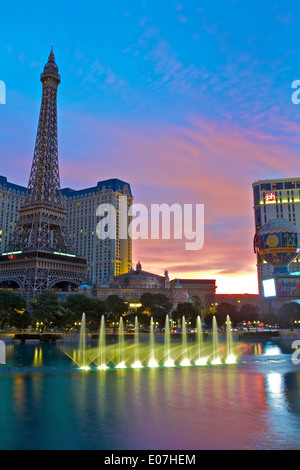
283	422
275	390
239	406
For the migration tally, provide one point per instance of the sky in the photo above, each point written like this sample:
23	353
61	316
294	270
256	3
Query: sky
188	101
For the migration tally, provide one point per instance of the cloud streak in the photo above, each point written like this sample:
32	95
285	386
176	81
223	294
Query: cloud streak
203	162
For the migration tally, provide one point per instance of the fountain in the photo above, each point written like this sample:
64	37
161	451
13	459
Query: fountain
82	346
118	355
152	361
168	361
121	362
137	363
101	345
230	357
216	358
201	361
185	360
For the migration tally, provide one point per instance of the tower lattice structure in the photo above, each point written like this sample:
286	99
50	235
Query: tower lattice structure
40	253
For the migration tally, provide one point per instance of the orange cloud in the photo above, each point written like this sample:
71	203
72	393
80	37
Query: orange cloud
202	162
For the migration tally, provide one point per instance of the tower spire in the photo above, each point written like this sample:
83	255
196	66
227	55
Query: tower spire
44	181
41	233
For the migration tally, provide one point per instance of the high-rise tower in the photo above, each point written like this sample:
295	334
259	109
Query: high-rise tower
40	253
275	199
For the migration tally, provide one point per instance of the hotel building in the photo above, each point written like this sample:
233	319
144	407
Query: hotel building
275	199
105	257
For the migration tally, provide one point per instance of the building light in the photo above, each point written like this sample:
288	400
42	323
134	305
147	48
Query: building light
270	197
12	253
64	254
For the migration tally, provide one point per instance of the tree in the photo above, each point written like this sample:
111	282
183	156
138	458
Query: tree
47	310
197	302
79	304
249	312
288	314
223	310
21	320
270	318
155	305
115	305
186	309
11	306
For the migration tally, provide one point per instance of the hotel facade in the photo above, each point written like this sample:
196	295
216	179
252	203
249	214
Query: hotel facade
110	256
275	199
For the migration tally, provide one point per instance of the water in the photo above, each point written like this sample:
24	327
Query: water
253	404
120	392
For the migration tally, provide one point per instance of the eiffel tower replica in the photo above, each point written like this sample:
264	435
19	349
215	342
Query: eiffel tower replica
40	253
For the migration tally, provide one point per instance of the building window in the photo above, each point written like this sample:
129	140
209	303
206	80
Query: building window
265	187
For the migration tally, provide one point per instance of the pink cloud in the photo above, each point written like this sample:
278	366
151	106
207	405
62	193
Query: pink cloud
205	163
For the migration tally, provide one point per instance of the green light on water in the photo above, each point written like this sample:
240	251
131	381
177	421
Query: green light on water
169	363
137	365
201	361
231	359
185	362
153	363
121	365
216	361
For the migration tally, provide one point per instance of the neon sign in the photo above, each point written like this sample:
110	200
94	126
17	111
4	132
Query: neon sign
270	197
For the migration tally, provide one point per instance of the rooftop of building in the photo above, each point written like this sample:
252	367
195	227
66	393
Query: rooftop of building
276	180
195	281
113	184
11	186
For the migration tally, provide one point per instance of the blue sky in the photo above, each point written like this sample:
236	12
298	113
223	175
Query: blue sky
187	101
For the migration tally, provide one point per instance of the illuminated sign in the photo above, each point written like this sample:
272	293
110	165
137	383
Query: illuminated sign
270	197
288	287
269	287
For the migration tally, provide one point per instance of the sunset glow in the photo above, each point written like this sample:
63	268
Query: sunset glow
188	107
